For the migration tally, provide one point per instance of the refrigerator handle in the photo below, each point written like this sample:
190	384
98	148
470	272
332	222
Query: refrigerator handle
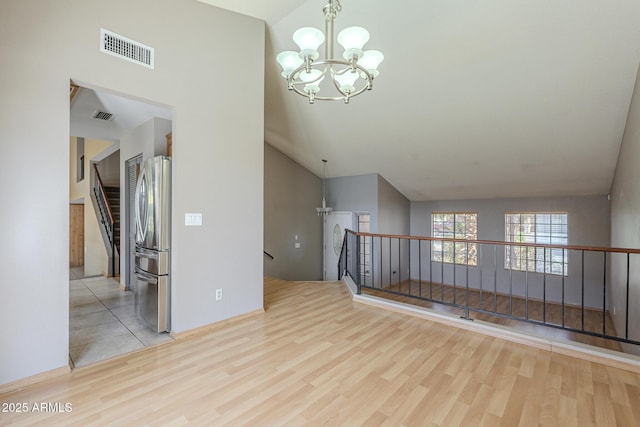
141	229
146	276
144	253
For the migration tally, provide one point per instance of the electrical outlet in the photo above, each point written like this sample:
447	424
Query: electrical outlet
218	294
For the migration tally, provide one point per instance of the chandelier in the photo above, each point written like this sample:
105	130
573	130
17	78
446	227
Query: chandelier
324	210
350	76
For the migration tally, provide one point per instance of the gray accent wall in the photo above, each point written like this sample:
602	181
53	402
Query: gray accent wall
625	223
394	209
357	193
217	168
393	218
588	223
291	194
373	194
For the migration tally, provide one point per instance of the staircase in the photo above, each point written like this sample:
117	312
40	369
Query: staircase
106	203
113	196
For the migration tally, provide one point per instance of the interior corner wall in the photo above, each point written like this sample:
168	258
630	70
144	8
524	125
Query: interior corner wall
394	209
218	157
109	169
393	218
291	194
358	194
161	127
625	224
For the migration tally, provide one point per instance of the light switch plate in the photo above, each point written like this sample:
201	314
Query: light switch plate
192	219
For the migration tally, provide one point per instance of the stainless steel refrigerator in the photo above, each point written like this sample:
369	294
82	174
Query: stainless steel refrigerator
153	244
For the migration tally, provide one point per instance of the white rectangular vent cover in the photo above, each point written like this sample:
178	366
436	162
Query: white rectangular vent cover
102	115
125	48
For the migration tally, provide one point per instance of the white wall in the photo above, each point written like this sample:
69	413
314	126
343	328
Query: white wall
161	127
625	224
218	157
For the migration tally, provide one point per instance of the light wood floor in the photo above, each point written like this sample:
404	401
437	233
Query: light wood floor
317	358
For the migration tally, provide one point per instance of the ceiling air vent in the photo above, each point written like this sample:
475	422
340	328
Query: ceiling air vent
102	115
125	48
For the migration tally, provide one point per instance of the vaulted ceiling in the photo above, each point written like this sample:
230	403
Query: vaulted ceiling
499	98
475	99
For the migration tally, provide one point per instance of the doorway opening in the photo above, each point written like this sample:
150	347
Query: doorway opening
108	134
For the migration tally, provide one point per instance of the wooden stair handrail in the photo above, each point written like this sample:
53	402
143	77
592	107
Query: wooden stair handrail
104	194
501	243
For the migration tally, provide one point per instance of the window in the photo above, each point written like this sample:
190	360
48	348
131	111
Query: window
455	225
79	159
364	226
539	228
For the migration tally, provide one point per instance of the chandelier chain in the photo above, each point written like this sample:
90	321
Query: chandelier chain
331	9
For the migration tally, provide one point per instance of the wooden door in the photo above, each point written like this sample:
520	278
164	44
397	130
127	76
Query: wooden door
76	235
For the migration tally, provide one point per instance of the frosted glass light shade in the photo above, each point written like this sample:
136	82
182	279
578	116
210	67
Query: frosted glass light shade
347	81
353	38
289	61
313	87
310	77
371	60
308	38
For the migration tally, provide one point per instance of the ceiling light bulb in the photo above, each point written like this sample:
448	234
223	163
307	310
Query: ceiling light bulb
352	40
370	60
289	61
346	81
308	40
310	77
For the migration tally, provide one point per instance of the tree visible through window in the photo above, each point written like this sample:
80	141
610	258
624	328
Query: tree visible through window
455	225
537	228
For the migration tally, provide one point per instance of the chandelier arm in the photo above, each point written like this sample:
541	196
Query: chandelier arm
368	83
331	62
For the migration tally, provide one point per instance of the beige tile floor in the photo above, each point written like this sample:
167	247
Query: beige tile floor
102	321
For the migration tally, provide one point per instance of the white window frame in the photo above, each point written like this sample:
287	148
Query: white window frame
459	253
365	242
537	228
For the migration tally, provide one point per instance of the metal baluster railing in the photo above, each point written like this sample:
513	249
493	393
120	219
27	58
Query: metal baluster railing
562	297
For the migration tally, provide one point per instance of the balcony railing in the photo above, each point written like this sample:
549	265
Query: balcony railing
583	289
